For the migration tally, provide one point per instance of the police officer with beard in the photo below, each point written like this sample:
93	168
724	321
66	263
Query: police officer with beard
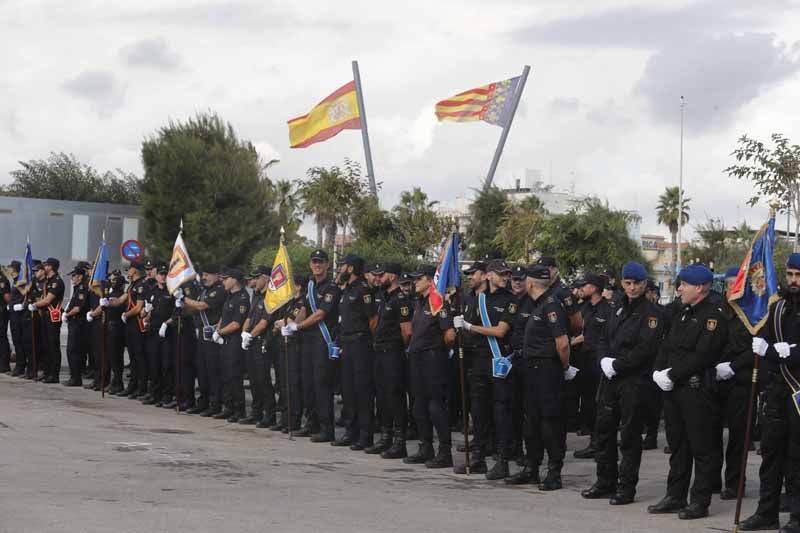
685	371
627	348
777	345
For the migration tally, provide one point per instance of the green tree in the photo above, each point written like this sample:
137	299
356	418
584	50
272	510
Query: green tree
299	252
486	216
62	177
590	237
518	228
667	211
288	207
773	171
201	172
418	223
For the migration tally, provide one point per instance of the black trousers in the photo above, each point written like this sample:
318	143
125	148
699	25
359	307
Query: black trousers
691	416
732	398
544	410
186	361
5	348
288	370
780	450
52	337
134	340
263	406
233	375
430	374
587	381
78	339
481	404
358	387
21	337
621	407
503	391
322	368
390	387
160	365
115	353
209	374
654	399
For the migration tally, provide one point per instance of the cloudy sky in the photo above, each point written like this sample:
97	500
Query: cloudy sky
600	112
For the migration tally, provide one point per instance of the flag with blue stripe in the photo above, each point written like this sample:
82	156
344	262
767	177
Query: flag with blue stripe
100	270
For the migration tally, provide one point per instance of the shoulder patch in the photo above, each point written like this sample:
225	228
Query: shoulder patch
242	309
443	313
652	322
328	297
512	308
367	298
711	324
404	311
81	296
552	317
568	301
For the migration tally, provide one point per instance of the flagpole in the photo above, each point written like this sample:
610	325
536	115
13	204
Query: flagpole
503	136
104	323
179	350
362	112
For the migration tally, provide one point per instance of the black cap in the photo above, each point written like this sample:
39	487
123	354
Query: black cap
36	264
16	265
161	268
319	255
474	267
77	271
494	254
424	270
210	268
232	272
578	283
260	270
538	271
651	285
377	269
499	266
405	277
392	268
595	280
547	261
148	264
137	265
518	273
609	273
354	261
86	265
52	261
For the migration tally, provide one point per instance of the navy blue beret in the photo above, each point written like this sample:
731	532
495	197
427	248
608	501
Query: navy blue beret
696	274
732	272
634	271
793	261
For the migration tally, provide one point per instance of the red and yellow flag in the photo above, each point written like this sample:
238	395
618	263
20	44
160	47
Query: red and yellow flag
490	103
339	111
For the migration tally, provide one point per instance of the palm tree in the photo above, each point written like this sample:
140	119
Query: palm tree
667	210
287	204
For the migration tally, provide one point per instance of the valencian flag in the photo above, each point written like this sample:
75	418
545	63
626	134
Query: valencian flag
339	111
281	283
100	270
181	270
448	274
756	285
491	103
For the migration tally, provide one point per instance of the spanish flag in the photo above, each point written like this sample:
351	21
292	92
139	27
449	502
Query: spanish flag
491	103
339	111
281	283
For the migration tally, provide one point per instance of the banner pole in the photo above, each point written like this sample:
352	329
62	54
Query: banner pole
362	112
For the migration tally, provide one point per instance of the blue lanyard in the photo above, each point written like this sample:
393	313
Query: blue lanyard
333	350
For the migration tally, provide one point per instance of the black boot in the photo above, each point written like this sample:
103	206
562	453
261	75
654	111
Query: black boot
667	505
552	480
792	526
528	475
650	441
443	459
759	522
476	466
397	451
424	453
498	471
382	445
693	511
622	496
599	491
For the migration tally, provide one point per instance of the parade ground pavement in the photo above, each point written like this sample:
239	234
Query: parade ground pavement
73	462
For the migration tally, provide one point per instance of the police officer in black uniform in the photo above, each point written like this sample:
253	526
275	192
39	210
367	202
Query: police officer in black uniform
78	332
359	319
627	349
287	352
685	370
207	309
318	356
160	341
228	336
39	340
595	312
391	338
777	345
115	334
5	310
132	305
432	336
20	321
546	368
50	305
255	336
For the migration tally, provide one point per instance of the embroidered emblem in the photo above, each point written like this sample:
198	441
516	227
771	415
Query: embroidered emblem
404	311
652	322
552	317
711	324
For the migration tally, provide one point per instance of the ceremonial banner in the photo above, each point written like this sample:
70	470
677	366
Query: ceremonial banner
448	274
756	285
281	287
181	270
24	280
339	111
100	270
491	103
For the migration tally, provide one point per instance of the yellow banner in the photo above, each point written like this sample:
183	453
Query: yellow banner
281	283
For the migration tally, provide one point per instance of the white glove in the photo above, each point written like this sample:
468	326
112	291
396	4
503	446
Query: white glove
662	380
724	372
19	307
178	294
570	373
104	302
89	317
247	336
31	307
148	307
460	323
64	317
287	331
607	365
162	331
784	349
124	318
760	346
216	337
292	326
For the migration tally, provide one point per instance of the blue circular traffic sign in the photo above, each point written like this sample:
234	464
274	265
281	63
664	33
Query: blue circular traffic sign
131	250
